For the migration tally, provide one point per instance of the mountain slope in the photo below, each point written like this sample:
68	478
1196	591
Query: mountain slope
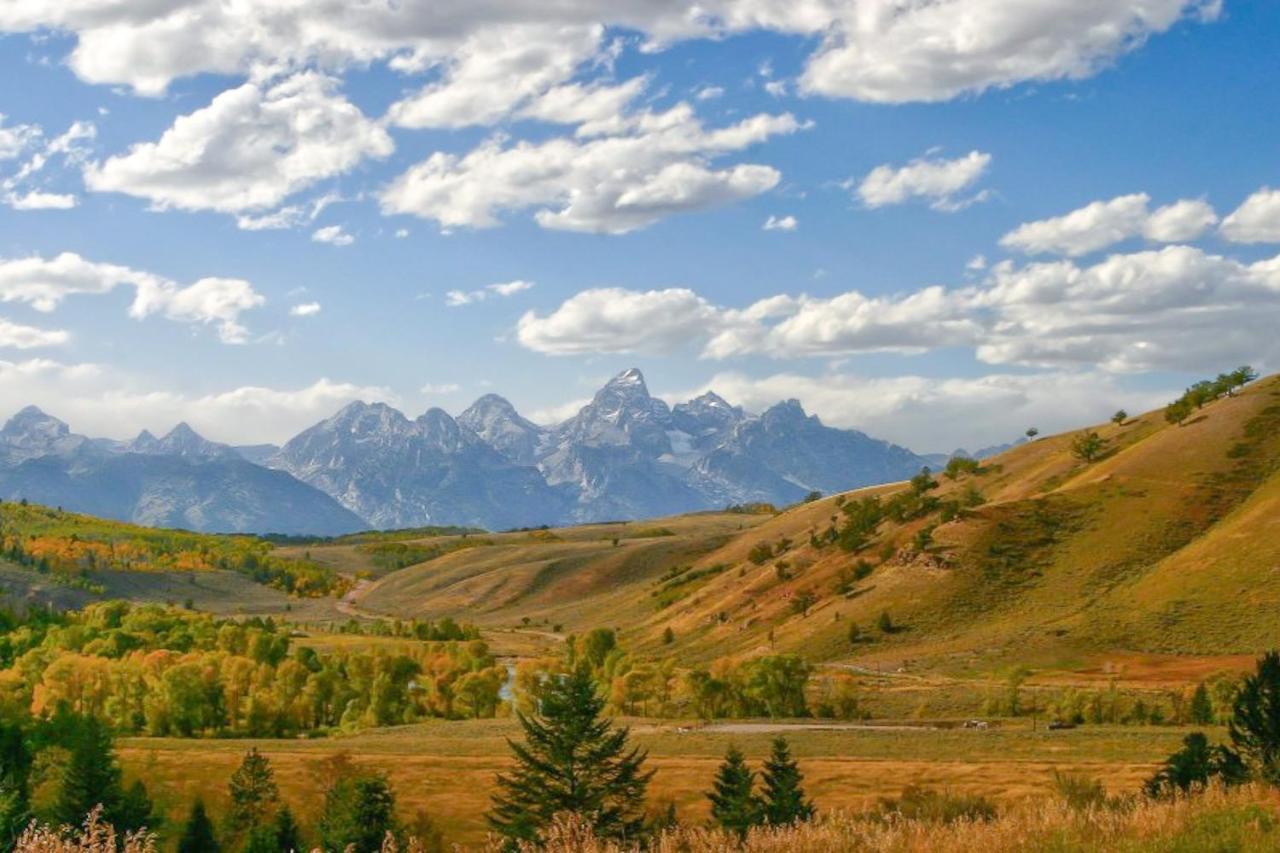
182	480
400	473
1167	543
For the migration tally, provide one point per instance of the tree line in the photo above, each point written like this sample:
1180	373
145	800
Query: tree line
164	671
1198	395
70	545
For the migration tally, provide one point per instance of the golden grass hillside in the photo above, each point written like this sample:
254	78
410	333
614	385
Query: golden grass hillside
1165	544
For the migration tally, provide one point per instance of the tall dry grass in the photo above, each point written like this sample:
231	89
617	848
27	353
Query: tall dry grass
1245	819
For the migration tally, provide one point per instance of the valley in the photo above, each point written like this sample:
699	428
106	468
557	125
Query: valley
1036	586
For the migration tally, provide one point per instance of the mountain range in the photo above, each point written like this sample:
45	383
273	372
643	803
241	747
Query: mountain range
624	455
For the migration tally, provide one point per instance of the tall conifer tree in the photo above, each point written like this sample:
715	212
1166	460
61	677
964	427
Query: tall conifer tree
571	760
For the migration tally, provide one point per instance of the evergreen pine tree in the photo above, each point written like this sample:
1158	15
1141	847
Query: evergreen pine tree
253	792
15	784
1255	724
197	834
91	777
288	833
733	802
572	760
1201	706
783	798
359	811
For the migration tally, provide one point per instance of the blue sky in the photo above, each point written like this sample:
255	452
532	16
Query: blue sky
986	215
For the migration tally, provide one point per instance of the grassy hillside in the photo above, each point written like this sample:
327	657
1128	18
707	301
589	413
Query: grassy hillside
71	550
1164	543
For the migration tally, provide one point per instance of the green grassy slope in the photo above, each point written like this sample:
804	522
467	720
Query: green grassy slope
1165	544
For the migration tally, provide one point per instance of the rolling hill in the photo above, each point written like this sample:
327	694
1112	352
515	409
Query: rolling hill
1169	542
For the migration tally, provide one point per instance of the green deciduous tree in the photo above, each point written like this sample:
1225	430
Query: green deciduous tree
571	760
734	805
783	799
1088	446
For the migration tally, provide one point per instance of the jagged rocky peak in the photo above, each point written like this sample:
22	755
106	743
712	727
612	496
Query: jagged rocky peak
787	413
368	420
705	414
32	425
497	422
621	413
182	440
441	431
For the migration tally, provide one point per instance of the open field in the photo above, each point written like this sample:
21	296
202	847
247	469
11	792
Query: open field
447	767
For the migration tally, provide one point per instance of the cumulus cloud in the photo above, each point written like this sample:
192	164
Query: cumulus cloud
305	309
1255	221
658	166
615	320
45	283
896	51
17	336
781	223
1177	308
935	179
929	414
102	401
334	235
252	147
1104	223
456	298
873	50
494	71
37	200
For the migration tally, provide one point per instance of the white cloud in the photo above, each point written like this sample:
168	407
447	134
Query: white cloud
401	233
252	147
15	139
660	165
333	235
848	323
441	388
43	284
1103	223
457	298
305	309
896	51
977	263
781	223
37	200
559	413
17	336
614	320
1255	221
872	50
709	93
101	401
934	178
1177	308
495	70
71	147
930	414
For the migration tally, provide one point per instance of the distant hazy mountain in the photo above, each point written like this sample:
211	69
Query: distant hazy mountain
181	480
626	454
395	472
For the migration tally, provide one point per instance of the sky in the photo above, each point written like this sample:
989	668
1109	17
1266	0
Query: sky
938	221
